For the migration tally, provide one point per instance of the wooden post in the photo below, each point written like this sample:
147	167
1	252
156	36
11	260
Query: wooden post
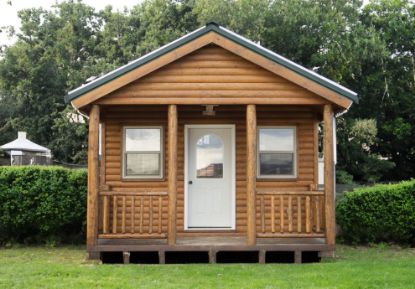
103	154
93	179
251	163
329	175
297	257
172	172
126	257
105	215
262	257
212	256
307	215
162	257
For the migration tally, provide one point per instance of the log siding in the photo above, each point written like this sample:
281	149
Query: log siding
211	75
115	118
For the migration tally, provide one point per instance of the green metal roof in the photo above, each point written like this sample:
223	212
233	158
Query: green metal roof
227	34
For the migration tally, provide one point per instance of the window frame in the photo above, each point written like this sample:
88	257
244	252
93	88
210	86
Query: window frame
294	151
124	154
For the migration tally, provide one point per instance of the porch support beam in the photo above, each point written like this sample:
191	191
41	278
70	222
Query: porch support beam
93	177
172	172
251	164
329	174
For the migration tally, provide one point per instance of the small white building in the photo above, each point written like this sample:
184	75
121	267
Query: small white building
25	152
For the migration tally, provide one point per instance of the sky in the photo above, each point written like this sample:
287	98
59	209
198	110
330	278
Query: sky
8	13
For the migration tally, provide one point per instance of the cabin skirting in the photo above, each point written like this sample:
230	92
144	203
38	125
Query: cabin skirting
212	246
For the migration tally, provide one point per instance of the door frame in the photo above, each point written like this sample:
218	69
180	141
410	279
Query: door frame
233	175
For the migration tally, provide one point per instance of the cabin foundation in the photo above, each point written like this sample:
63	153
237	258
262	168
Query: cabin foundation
214	246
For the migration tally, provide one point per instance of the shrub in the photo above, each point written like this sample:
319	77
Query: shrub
381	213
42	204
343	177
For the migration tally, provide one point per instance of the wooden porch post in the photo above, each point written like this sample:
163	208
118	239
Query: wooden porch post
93	178
251	163
172	172
329	174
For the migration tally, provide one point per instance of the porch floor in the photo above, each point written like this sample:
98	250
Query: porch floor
211	241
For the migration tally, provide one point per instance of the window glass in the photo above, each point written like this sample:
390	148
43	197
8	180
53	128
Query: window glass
276	164
142	139
276	139
209	157
143	152
276	153
143	164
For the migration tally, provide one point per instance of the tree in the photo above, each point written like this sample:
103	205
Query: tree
356	140
393	101
369	49
52	54
58	50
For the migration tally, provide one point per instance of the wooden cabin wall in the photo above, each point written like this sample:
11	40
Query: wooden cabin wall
215	73
115	117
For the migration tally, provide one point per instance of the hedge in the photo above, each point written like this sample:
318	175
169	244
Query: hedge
42	204
381	213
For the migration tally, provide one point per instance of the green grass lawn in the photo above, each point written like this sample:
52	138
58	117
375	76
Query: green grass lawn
65	267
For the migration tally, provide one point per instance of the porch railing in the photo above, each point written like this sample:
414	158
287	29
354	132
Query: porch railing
290	213
133	214
145	214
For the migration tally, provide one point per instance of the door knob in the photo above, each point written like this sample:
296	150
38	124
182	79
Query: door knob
190	182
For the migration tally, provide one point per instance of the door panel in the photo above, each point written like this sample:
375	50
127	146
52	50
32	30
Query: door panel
210	174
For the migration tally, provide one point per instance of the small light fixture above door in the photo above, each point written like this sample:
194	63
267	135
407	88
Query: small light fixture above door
209	110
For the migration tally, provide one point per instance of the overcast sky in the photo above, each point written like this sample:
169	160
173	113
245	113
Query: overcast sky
8	13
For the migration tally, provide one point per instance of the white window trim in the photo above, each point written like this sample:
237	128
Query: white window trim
123	156
293	176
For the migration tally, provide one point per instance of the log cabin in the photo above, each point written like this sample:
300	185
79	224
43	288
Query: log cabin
210	144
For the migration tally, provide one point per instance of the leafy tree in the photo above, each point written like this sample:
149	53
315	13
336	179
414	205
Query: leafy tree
356	139
52	54
163	21
394	22
369	49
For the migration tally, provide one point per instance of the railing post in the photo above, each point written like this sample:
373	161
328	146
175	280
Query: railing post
251	163
172	172
93	179
329	175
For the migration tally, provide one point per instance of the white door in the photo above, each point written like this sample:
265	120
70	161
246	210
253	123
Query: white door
210	177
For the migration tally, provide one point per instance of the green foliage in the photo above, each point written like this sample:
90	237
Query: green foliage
42	204
388	87
369	49
381	213
69	142
356	141
343	177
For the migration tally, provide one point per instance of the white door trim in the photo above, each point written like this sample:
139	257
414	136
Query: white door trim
233	174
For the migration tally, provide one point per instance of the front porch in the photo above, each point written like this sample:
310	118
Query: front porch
271	215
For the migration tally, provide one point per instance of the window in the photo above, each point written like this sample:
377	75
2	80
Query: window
276	152
209	157
143	157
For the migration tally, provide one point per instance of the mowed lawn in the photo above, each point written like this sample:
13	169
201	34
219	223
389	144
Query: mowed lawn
65	267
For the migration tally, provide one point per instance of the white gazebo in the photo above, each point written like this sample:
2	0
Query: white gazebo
25	152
